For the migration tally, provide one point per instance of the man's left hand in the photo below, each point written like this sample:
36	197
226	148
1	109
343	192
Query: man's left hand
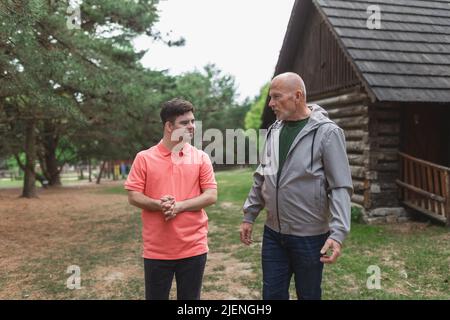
171	208
335	251
167	206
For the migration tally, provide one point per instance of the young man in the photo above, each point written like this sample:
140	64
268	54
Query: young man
172	183
307	181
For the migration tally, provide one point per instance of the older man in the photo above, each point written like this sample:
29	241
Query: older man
305	184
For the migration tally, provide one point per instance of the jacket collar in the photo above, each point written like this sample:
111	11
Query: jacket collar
317	118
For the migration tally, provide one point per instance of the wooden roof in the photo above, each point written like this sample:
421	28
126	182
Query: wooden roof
407	60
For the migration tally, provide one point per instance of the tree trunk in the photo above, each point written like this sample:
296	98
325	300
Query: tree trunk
113	167
81	173
90	170
38	177
50	142
53	171
108	171
101	172
29	187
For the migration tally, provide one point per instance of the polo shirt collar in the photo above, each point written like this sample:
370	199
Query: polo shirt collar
166	152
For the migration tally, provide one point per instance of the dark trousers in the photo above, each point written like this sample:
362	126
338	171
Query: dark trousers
284	255
188	274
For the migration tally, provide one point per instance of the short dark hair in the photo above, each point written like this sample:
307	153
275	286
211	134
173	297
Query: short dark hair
173	108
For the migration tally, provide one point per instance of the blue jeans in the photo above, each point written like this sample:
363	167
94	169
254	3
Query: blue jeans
284	255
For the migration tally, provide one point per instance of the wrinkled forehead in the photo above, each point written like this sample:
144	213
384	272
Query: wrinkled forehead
286	85
278	85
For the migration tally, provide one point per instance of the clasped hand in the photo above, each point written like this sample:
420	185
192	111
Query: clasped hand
168	207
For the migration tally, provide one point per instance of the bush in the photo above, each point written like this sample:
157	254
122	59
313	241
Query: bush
356	214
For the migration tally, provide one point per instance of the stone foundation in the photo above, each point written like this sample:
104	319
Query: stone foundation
386	215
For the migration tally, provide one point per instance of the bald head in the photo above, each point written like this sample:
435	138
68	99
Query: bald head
290	81
287	95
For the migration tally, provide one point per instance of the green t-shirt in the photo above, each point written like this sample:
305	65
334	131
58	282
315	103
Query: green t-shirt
287	135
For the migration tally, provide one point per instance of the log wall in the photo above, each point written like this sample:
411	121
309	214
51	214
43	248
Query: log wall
384	141
372	135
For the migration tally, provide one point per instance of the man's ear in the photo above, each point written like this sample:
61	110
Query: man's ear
168	126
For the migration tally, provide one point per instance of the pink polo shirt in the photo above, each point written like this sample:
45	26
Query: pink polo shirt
157	172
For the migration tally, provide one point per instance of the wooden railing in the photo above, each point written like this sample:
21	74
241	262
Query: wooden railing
425	187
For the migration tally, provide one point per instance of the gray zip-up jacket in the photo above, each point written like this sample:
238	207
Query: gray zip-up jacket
312	194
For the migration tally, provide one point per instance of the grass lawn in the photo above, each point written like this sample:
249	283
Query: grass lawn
94	227
8	183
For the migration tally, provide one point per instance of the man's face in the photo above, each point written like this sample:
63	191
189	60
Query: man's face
183	127
282	100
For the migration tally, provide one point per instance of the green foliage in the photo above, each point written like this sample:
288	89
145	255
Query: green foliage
79	87
356	214
86	90
253	117
213	95
11	162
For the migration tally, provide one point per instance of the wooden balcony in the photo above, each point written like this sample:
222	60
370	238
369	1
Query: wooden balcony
425	187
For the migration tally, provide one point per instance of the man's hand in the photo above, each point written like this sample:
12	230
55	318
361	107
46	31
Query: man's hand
335	251
246	233
167	207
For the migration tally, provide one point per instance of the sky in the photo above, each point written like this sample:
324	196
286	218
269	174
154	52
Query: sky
241	37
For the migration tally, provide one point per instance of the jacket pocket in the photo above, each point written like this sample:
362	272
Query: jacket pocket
317	195
269	195
322	195
299	200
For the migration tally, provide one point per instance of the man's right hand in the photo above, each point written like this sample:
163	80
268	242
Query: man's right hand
246	233
167	206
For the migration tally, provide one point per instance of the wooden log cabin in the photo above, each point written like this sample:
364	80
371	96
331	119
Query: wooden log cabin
388	88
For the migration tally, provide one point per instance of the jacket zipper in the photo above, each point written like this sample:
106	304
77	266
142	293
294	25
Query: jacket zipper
278	214
276	196
278	177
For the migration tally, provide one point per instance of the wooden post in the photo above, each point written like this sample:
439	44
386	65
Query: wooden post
437	190
447	197
431	203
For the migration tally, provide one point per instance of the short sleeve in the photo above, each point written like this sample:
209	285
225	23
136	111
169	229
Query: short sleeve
207	178
137	176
